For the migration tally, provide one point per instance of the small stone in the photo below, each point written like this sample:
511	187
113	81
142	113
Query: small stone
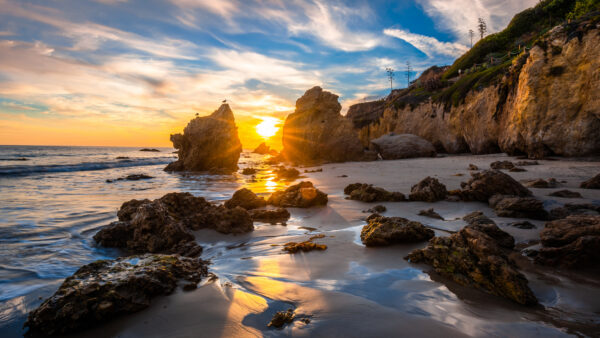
517	170
523	225
502	165
368	193
249	171
473	167
430	213
566	194
281	318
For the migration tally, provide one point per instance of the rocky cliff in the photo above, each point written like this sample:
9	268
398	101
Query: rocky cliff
544	102
208	143
316	132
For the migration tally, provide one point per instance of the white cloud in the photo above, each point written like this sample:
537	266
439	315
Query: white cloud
458	16
427	44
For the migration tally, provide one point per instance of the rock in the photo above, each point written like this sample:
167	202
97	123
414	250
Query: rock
541	183
397	146
502	165
343	175
525	163
318	170
301	195
316	132
273	216
382	231
592	183
246	199
306	246
523	225
107	289
566	194
476	256
122	157
480	222
368	193
134	177
487	183
208	143
574	209
284	173
281	318
262	149
518	207
428	190
517	170
430	213
249	171
164	225
150	150
473	167
274	159
573	242
377	209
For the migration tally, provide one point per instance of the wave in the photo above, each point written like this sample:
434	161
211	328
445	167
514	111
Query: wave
23	170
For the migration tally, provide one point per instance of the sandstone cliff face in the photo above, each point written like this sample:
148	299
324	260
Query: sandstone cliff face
208	143
552	109
316	132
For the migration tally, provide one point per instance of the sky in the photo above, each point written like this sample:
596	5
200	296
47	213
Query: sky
131	72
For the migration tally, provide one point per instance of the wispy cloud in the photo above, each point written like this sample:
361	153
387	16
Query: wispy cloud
427	44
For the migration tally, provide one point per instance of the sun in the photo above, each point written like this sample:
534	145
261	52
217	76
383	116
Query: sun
268	127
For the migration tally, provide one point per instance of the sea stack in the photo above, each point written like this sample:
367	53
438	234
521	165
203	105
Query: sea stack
316	132
208	143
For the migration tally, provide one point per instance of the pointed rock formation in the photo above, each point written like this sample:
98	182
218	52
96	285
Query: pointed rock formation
208	143
316	132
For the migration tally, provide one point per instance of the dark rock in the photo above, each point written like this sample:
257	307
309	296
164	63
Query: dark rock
368	193
480	222
397	146
249	171
163	225
592	183
314	170
473	167
306	246
571	242
430	213
574	209
284	173
566	194
134	177
525	163
122	157
377	209
487	183
343	175
273	216
281	318
518	207
208	143
541	183
301	195
316	132
523	225
382	231
103	290
476	257
517	170
246	199
502	165
428	190
262	149
150	150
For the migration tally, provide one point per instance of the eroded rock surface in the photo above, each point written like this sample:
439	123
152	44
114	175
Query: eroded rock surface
382	231
246	199
430	213
301	195
592	183
488	183
103	290
368	193
208	143
476	256
428	190
574	209
518	207
571	242
397	146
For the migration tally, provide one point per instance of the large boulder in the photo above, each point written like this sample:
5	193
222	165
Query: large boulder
488	183
428	190
571	242
246	199
301	195
368	193
396	146
107	289
316	132
518	207
208	143
164	225
476	256
382	231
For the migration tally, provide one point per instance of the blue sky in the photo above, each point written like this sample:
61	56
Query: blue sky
141	68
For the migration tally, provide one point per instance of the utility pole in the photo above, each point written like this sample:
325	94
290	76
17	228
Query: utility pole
471	35
408	70
390	75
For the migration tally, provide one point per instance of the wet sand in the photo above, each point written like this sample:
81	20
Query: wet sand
349	290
